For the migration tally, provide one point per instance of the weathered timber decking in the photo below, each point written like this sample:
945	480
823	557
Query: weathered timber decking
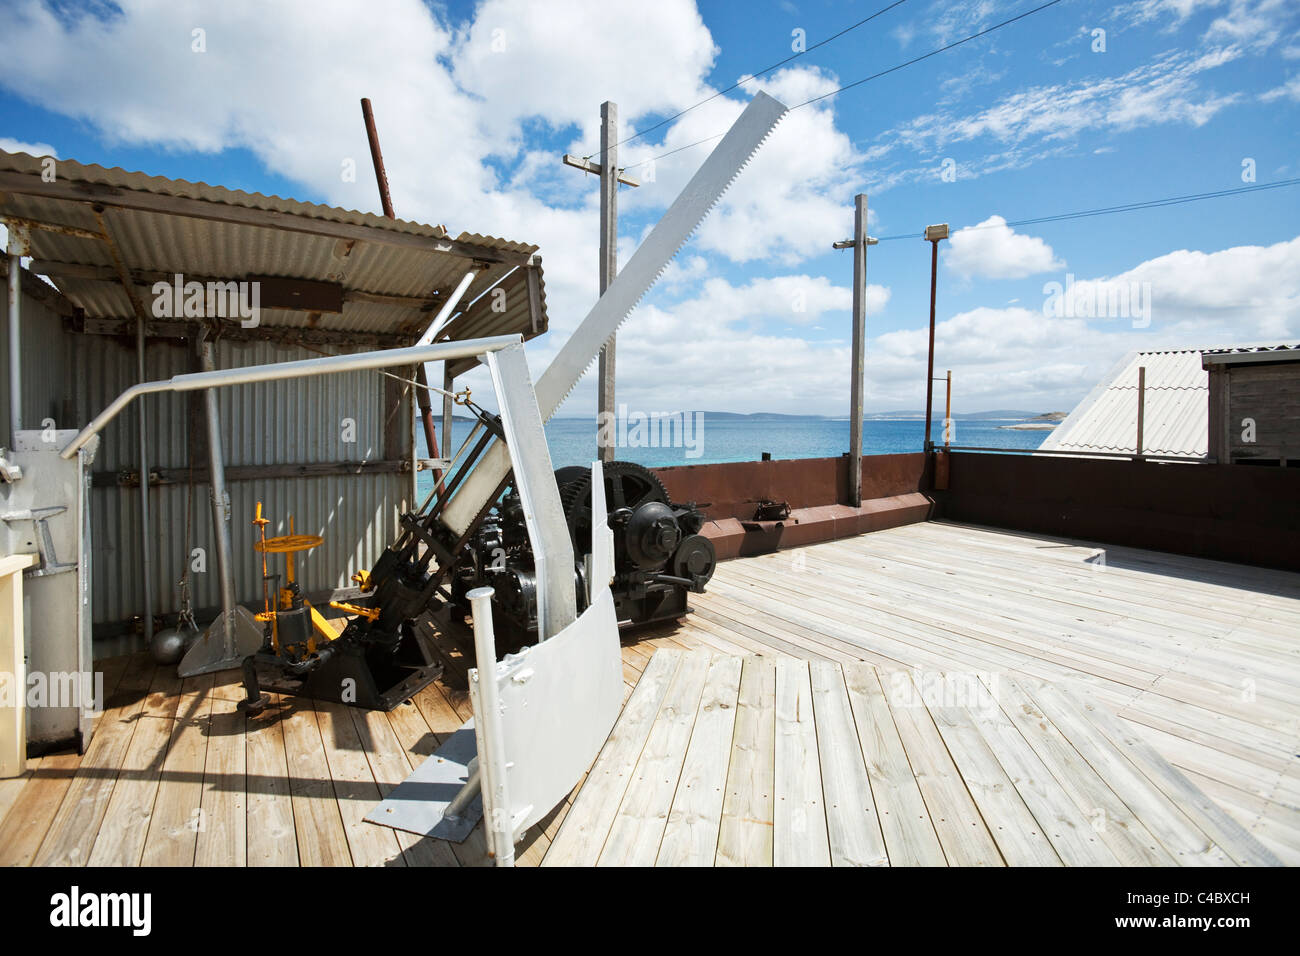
734	761
1168	679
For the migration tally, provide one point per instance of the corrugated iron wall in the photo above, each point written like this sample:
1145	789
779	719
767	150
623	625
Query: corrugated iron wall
70	378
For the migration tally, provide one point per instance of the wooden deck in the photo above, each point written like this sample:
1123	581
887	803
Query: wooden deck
1168	679
754	762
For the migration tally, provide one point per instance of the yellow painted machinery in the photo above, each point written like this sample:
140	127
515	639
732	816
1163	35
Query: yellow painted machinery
303	653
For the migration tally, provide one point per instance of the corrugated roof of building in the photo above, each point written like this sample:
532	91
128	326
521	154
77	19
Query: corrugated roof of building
1176	416
394	273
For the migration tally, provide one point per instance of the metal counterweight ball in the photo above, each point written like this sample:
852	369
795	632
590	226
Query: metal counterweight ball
169	645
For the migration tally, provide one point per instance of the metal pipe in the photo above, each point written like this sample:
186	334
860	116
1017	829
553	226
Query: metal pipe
278	371
947	414
929	367
448	386
372	133
15	343
487	718
146	540
1142	405
386	200
220	505
444	313
1070	453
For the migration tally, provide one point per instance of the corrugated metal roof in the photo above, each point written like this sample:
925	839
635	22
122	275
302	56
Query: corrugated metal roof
192	239
1176	415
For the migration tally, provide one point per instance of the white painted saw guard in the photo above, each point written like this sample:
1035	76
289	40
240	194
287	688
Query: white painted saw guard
557	702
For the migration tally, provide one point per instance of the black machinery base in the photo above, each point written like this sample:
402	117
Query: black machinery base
348	675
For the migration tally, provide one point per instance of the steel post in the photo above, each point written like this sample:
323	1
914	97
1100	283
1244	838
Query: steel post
487	718
220	506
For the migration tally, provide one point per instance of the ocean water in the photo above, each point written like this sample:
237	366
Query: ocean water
711	440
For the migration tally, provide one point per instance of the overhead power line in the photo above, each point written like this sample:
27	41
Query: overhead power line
1124	207
775	66
866	79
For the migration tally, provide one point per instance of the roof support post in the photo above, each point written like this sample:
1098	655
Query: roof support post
17	248
220	506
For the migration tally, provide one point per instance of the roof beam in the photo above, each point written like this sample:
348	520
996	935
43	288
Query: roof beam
78	270
184	206
233	331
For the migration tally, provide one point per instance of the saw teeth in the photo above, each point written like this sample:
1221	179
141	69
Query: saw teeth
687	238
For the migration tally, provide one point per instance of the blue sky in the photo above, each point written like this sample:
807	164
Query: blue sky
476	102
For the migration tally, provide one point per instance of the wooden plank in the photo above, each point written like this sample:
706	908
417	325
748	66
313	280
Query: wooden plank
1244	849
322	840
389	765
272	840
164	694
177	817
1021	839
28	820
691	835
962	831
355	789
799	835
582	836
909	834
11	787
745	833
851	819
121	835
1113	822
72	832
1187	844
638	827
222	839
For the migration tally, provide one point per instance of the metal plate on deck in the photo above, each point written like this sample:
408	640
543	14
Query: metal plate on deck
419	803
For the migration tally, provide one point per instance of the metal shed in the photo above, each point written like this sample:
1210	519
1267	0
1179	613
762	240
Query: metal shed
1170	387
338	453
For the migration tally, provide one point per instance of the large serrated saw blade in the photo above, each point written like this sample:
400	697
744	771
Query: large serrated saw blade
631	283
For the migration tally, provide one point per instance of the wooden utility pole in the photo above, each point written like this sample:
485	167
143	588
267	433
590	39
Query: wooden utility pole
610	176
933	235
858	244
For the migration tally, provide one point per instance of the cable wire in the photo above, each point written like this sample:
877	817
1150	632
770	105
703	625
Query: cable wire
1109	210
866	79
775	66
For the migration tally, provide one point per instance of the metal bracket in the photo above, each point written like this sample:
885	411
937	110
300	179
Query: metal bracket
50	563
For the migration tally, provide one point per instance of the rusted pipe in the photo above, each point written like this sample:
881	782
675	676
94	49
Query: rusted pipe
381	179
372	133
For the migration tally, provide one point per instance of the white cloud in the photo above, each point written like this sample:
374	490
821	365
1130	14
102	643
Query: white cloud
1018	357
452	110
993	250
1289	90
31	149
793	200
719	350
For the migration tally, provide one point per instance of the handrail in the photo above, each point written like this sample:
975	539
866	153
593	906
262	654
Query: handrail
277	371
1081	453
